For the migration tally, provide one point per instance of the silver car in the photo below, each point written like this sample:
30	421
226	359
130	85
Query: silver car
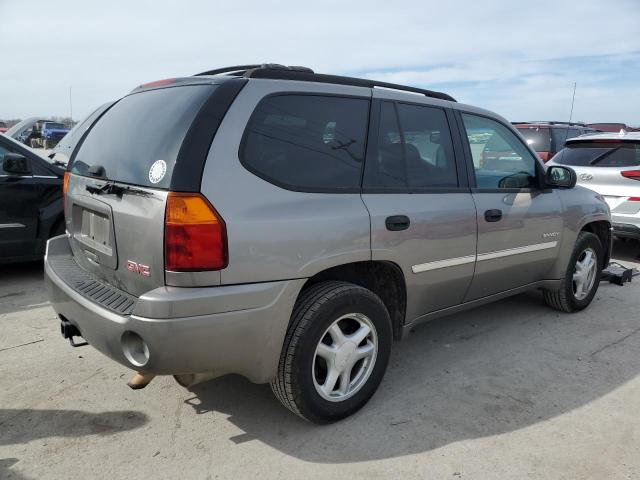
287	226
609	163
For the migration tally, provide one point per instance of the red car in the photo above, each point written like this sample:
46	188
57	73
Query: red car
547	138
3	127
612	127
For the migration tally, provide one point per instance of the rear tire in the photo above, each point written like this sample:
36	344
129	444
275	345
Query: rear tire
581	281
335	352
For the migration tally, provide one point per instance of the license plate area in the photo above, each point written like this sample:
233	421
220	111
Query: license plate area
93	233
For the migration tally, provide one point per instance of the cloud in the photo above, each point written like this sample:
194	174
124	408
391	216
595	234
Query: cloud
517	58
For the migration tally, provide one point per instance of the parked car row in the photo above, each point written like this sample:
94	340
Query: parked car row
38	133
547	138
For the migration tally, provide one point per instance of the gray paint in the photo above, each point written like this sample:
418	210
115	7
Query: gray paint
450	256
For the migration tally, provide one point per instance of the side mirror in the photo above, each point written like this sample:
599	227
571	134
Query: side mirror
516	180
15	164
560	177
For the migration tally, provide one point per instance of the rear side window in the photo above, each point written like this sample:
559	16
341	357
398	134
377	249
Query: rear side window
599	155
414	149
307	142
138	139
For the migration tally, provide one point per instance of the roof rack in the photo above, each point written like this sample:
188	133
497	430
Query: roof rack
282	72
551	122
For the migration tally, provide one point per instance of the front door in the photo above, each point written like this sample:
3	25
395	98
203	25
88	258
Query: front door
519	224
422	215
18	210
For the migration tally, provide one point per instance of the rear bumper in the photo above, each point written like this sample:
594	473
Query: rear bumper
627	230
228	329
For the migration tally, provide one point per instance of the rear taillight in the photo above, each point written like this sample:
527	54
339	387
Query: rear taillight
632	174
195	236
65	182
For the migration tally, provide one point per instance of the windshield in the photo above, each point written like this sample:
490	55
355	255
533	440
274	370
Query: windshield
54	126
538	138
138	139
599	155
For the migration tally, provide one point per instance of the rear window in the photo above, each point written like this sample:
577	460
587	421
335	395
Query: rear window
538	138
307	142
599	155
138	139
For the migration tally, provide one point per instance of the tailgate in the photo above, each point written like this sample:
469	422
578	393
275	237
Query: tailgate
118	239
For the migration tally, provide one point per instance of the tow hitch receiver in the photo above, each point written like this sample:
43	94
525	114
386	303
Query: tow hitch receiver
69	330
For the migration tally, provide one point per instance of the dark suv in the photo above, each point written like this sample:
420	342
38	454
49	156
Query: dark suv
547	138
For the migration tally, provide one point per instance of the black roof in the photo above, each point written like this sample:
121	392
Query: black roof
282	72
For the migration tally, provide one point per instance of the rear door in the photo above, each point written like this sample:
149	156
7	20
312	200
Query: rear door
519	225
422	214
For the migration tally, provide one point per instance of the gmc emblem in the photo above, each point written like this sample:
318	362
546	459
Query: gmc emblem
138	268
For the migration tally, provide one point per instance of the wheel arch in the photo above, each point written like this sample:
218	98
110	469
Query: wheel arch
383	278
601	229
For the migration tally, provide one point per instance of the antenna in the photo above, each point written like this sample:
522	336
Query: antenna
573	99
566	132
70	106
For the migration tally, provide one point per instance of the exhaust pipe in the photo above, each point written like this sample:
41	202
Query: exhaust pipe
188	380
140	380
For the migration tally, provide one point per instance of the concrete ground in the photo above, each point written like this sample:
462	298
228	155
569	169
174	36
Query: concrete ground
509	390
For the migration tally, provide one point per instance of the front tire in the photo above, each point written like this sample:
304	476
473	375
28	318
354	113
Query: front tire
582	277
335	352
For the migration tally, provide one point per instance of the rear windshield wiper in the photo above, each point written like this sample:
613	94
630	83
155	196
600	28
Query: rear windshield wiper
112	188
604	155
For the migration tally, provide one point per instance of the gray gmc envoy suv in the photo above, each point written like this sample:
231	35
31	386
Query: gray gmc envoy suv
287	226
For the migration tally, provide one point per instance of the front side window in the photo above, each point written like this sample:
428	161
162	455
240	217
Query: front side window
414	149
308	142
500	159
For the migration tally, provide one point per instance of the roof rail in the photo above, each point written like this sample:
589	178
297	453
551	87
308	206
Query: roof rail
282	72
551	122
240	69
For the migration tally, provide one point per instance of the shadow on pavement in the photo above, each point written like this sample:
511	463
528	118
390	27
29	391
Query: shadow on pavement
485	372
18	426
626	251
22	287
6	474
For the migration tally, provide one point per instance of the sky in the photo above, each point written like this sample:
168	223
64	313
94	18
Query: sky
519	59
